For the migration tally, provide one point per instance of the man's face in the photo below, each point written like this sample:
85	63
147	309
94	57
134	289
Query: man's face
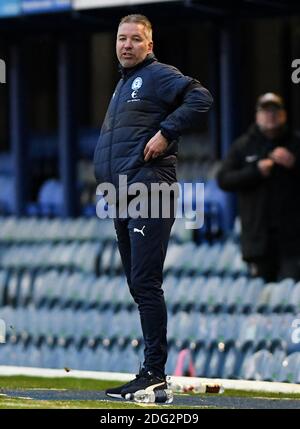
133	44
270	118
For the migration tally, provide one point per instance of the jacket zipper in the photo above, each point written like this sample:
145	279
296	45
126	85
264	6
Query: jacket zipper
117	94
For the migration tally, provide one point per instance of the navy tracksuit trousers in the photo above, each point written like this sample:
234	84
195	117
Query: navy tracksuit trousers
143	245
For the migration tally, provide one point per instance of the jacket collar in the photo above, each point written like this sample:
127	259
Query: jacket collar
283	134
127	72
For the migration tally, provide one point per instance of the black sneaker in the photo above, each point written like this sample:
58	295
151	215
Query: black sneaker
145	380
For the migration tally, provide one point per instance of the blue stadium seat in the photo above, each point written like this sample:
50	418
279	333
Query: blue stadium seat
181	294
257	366
59	357
290	369
184	328
201	362
51	198
12	295
225	262
293	300
129	359
7	195
179	232
274	296
25	288
272	373
178	257
5	354
3	285
235	293
47	356
212	294
248	329
170	289
29	327
33	356
216	363
106	259
171	362
231	363
6	164
228	329
251	294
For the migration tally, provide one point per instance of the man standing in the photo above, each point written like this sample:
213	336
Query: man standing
263	167
152	105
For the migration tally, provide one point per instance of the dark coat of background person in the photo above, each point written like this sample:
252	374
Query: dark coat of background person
265	203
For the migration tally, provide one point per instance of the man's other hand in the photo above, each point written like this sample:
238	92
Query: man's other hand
283	156
155	146
265	166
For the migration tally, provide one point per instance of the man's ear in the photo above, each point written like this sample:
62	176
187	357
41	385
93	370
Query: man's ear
150	47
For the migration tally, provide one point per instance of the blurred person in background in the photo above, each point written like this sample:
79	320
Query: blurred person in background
263	167
152	105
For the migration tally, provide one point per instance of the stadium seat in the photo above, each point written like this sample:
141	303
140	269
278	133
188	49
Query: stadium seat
215	363
171	362
33	357
180	233
3	285
6	164
273	296
181	294
7	195
212	295
25	288
251	295
273	371
257	366
170	289
293	299
201	362
235	293
290	369
12	295
231	363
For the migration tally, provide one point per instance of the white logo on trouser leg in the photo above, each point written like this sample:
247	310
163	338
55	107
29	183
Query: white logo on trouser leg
140	230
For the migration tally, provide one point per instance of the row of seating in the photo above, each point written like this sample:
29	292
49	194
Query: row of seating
100	359
184	329
207	294
37	230
264	365
249	365
80	256
235	363
188	258
219	258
